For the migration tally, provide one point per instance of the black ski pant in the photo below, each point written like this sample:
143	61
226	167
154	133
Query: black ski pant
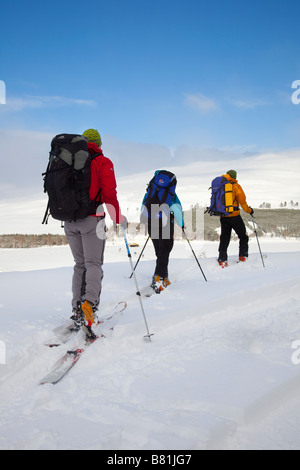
163	241
237	224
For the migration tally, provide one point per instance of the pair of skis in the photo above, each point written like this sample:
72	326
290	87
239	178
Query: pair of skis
71	357
66	331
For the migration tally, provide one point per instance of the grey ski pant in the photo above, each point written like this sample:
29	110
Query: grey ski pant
87	238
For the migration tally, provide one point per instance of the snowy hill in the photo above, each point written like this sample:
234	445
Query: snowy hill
219	373
272	178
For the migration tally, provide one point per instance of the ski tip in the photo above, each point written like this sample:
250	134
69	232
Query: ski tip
44	382
122	305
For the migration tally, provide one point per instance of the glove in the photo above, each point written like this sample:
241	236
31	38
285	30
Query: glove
252	211
124	223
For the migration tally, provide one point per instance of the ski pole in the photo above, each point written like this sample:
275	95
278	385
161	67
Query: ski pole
148	335
194	253
257	241
256	224
139	257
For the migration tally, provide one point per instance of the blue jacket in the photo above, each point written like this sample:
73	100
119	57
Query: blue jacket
175	207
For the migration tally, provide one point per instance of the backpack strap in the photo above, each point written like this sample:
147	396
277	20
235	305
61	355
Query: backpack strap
94	155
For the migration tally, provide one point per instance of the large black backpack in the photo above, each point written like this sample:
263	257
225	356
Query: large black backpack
67	179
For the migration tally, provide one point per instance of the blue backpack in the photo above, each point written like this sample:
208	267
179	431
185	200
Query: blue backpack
221	201
160	191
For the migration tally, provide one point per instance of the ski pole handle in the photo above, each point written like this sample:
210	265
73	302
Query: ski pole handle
126	243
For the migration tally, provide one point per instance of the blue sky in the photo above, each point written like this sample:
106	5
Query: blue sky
164	72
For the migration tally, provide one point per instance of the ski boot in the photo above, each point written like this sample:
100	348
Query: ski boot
90	335
223	264
155	284
166	282
77	317
242	259
158	283
90	319
84	317
89	313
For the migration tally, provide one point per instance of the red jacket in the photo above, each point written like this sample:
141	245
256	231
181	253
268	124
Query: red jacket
103	177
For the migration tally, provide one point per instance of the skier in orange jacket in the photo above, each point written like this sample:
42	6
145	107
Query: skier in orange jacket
234	221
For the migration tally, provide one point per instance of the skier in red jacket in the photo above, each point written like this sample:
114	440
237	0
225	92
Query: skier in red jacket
87	236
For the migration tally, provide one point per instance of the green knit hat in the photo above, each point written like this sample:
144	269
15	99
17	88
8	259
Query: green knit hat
93	136
232	173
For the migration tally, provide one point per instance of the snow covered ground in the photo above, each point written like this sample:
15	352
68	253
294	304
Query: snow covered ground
222	370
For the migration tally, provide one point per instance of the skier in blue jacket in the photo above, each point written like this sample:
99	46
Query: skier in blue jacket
160	226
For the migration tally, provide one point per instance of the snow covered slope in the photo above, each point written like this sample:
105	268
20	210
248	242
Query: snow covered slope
219	373
261	177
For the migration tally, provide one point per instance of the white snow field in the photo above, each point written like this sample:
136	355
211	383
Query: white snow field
222	370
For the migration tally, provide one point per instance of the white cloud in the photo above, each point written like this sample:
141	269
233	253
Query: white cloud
200	102
60	100
28	101
249	104
205	104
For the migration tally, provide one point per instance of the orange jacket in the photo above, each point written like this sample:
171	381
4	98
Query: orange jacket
239	197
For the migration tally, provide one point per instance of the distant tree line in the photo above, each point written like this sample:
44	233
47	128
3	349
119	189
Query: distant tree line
292	204
31	241
267	205
273	223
